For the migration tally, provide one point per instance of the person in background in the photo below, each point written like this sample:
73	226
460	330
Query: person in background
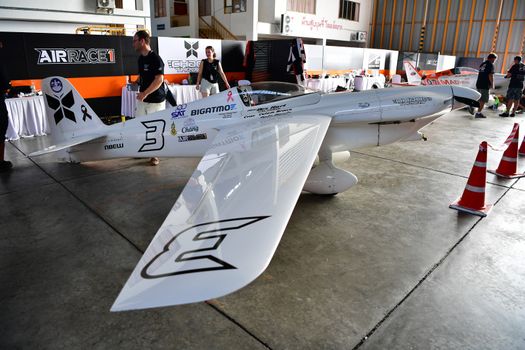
209	71
485	82
521	106
4	86
516	73
152	94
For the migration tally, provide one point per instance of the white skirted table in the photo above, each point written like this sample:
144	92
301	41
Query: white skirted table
325	84
182	94
27	117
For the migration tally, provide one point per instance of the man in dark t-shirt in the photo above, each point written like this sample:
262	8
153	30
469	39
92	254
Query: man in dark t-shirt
152	95
516	73
485	82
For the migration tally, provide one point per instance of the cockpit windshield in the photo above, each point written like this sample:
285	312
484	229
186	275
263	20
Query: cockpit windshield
261	93
465	70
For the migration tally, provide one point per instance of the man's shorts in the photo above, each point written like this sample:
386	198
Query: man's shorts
145	108
209	88
484	95
513	94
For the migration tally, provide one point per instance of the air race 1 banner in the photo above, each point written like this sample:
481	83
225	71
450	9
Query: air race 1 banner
183	55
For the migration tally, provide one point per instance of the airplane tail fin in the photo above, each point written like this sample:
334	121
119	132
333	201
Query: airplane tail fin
413	76
70	118
68	114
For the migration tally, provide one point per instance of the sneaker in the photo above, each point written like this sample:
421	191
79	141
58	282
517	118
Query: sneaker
154	161
513	114
504	115
5	165
480	115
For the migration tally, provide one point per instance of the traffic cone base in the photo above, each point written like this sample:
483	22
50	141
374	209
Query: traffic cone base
506	176
479	212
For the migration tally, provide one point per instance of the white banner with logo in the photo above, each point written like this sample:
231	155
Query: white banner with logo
183	55
312	26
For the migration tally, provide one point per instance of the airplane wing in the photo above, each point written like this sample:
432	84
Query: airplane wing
68	143
226	224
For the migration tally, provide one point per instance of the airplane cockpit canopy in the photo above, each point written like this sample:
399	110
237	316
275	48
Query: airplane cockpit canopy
265	92
464	70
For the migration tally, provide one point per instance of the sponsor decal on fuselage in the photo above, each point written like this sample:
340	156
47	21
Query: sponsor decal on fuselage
273	111
193	137
228	140
180	111
445	82
75	56
214	109
186	129
404	101
114	146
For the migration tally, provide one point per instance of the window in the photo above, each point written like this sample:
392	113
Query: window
204	8
160	8
234	6
179	13
304	6
180	8
349	10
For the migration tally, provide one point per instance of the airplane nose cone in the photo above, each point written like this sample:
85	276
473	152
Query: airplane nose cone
465	96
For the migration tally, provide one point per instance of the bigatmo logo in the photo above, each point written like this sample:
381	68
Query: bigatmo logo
214	109
75	56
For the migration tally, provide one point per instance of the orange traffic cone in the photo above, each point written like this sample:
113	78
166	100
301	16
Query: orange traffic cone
522	148
473	199
508	166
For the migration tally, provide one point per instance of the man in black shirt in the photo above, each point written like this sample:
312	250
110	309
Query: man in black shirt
485	82
4	118
516	73
152	95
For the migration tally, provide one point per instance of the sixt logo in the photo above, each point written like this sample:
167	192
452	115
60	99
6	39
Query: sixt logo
201	252
75	56
214	109
192	49
179	112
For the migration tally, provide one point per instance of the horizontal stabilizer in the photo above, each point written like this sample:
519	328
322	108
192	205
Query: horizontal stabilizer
66	144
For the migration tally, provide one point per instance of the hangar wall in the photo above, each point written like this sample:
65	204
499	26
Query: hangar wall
453	27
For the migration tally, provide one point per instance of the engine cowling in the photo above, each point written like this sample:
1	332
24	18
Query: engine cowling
328	179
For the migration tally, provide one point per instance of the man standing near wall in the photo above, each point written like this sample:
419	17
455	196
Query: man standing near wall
152	95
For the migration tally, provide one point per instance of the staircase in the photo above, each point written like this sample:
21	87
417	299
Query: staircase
214	30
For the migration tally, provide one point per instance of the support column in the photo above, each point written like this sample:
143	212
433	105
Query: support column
253	9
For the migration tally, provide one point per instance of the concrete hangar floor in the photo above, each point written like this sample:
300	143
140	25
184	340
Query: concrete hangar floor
385	265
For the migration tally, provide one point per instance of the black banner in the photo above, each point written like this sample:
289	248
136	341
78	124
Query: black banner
37	55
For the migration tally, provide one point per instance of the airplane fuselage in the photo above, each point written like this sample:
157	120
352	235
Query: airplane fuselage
362	119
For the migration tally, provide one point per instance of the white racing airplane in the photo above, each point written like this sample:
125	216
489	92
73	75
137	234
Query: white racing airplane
461	76
258	144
